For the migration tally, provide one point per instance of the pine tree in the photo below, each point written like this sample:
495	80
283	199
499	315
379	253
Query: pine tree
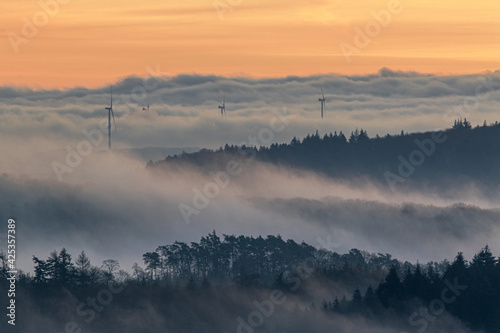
389	292
363	136
357	299
336	304
484	260
370	300
40	271
458	269
82	269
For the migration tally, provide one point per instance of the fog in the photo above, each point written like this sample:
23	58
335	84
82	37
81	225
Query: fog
108	204
112	206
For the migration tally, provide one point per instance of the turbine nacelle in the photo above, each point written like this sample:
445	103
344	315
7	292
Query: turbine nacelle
323	102
110	114
223	106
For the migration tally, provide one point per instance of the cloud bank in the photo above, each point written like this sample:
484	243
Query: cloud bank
184	109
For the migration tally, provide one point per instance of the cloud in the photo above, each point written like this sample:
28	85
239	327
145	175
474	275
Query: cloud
184	107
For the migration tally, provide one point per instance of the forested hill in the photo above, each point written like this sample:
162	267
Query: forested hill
460	154
319	290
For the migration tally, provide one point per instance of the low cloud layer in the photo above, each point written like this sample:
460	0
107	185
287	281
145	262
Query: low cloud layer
184	111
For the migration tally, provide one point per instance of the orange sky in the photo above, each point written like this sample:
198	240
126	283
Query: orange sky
92	43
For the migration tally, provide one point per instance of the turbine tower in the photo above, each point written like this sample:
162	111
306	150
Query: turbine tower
223	106
323	103
110	113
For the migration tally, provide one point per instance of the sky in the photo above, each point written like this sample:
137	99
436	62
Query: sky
68	43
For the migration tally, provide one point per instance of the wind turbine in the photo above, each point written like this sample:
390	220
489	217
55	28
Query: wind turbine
147	106
110	113
323	103
223	106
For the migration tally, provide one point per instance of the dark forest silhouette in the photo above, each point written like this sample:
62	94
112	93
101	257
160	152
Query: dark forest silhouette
216	269
466	154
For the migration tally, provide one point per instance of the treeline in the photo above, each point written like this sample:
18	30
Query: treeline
248	260
242	260
462	153
382	287
469	291
60	270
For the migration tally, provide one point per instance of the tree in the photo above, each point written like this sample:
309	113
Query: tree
58	268
370	300
342	138
152	262
357	299
484	261
40	271
481	296
82	269
138	273
354	136
458	268
363	136
466	124
110	266
389	292
336	304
